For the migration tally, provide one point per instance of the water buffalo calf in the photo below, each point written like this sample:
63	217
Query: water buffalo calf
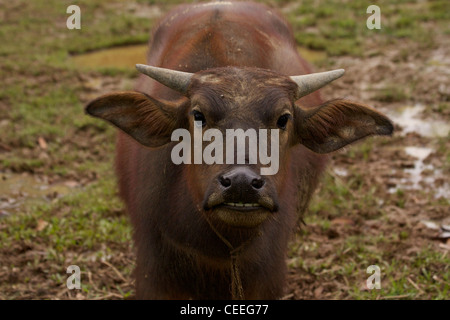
221	230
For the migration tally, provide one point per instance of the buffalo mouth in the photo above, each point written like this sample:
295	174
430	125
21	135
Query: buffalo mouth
248	217
241	206
241	213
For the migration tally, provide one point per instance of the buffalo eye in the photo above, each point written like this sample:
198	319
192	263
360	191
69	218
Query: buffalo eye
283	120
198	116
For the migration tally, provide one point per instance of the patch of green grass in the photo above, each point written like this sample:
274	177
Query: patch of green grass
339	197
391	94
443	107
79	220
342	27
311	40
48	114
21	164
398	278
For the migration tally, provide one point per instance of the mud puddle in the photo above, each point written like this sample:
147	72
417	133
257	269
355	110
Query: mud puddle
118	57
312	56
411	119
420	175
18	191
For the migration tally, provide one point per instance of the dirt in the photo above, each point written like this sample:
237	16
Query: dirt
411	161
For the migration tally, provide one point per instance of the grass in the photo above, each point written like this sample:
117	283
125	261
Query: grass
84	218
42	95
341	29
423	274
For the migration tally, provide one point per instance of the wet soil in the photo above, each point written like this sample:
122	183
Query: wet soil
410	171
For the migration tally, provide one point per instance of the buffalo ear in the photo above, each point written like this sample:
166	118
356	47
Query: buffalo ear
147	120
338	123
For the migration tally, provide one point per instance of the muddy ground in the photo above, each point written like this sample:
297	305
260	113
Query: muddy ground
384	201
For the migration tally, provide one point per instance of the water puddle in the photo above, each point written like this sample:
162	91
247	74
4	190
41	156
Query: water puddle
421	175
312	56
340	171
416	172
118	57
411	120
18	191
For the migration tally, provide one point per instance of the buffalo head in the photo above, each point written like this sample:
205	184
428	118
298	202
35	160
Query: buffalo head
248	101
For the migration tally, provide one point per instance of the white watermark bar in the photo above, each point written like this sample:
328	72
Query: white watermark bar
235	147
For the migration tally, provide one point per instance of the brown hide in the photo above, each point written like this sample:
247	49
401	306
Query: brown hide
178	255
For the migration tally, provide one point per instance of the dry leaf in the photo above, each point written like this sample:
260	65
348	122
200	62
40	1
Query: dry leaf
41	225
4	147
42	143
71	184
3	214
318	292
342	221
430	225
80	296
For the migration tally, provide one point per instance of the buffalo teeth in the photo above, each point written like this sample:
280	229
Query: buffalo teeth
234	204
251	205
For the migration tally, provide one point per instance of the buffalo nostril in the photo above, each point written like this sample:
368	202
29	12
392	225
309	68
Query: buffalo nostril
257	183
225	182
